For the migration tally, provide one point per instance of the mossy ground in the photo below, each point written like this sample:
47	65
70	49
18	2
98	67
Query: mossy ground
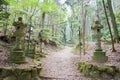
94	71
30	73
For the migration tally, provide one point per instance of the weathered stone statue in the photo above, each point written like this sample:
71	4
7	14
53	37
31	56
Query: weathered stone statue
18	55
99	55
20	29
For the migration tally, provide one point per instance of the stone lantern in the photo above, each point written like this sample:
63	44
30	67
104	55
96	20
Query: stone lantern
17	54
98	55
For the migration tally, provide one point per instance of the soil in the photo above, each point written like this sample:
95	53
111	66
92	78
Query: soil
60	64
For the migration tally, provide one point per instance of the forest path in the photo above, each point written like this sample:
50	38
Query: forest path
60	66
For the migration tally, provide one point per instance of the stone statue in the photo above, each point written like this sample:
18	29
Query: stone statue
20	29
17	54
98	55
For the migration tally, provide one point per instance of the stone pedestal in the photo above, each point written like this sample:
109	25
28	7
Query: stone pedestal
31	51
98	55
17	56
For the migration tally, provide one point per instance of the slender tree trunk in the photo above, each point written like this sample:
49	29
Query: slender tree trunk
83	26
113	21
71	27
53	30
105	11
43	19
52	25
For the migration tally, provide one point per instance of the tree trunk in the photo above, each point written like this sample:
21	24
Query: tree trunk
83	26
52	25
71	27
105	11
113	21
43	19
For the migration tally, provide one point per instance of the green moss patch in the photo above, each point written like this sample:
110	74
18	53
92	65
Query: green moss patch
31	73
94	71
99	56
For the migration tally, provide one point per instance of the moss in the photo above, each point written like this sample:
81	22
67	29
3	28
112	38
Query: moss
106	76
82	66
39	70
117	75
94	74
99	56
94	71
102	69
25	76
6	72
34	72
17	72
17	57
36	78
21	74
10	78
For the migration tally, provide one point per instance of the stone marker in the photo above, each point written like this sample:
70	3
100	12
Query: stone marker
98	55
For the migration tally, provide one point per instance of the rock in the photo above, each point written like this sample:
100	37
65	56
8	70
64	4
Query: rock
106	76
99	56
17	56
25	76
94	74
111	71
94	71
6	72
10	78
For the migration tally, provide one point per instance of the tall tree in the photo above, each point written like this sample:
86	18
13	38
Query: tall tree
113	21
105	11
83	22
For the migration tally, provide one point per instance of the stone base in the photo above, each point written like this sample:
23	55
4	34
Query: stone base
17	56
99	56
35	54
30	53
104	72
30	73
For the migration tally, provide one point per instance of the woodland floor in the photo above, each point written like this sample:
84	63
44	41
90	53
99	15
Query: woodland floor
60	64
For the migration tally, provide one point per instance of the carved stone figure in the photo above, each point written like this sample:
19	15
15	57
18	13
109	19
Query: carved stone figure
98	55
17	54
20	29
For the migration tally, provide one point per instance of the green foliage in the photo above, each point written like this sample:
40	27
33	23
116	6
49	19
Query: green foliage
47	6
29	3
45	34
3	2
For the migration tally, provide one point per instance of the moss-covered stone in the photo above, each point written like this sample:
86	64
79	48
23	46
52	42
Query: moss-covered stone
106	76
31	73
39	70
6	72
94	74
17	56
94	71
117	75
30	50
99	56
10	78
34	72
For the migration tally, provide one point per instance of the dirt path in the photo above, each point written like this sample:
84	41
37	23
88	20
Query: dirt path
60	66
